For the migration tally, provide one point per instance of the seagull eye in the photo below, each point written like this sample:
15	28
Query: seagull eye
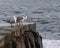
21	18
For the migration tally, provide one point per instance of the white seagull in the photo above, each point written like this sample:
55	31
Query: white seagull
11	20
21	19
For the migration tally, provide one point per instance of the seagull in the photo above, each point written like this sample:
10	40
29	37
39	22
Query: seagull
21	19
11	20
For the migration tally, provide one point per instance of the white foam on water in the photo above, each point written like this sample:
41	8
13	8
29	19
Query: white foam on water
47	43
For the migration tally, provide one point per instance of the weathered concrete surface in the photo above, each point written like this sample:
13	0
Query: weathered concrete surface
2	40
37	39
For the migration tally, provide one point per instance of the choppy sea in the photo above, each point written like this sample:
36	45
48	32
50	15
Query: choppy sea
45	13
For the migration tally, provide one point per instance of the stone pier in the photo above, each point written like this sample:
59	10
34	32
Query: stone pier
24	36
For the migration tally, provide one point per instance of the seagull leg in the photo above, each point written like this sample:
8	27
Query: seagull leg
17	24
22	23
22	28
11	25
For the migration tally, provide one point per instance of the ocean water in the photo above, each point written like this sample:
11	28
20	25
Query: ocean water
45	13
